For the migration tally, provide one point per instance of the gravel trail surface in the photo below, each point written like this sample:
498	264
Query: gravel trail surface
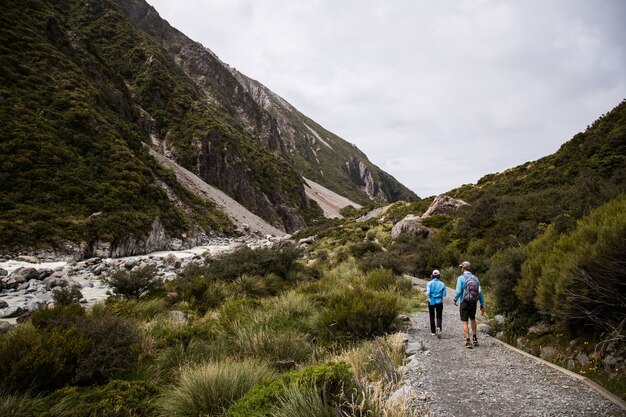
490	380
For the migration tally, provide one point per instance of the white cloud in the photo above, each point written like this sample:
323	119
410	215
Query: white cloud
435	93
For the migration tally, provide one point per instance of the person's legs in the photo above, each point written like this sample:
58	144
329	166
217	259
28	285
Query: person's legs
431	314
466	330
472	317
439	310
465	311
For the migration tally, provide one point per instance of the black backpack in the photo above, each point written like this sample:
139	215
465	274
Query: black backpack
472	289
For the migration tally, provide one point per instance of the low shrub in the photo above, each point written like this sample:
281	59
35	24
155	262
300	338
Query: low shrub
136	283
66	296
397	262
211	388
333	380
380	279
112	352
64	345
61	316
358	250
47	358
356	314
279	260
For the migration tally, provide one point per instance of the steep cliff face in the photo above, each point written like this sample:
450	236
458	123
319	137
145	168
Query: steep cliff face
324	156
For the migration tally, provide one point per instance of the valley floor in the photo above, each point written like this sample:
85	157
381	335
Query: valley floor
490	380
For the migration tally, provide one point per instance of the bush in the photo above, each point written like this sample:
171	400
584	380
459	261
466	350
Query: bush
136	283
58	316
47	358
211	388
504	274
380	280
278	260
334	379
112	352
66	296
583	268
398	263
65	346
358	250
356	314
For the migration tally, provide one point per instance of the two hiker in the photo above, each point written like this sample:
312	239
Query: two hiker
468	294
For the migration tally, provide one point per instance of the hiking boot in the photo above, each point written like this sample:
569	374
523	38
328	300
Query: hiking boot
475	341
439	332
468	345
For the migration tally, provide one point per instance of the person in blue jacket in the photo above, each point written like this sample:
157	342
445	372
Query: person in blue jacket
469	293
435	291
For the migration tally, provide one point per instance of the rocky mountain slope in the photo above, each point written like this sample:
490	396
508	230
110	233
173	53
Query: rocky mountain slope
84	85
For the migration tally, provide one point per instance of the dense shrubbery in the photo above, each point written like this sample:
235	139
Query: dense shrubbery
355	314
65	346
578	277
136	283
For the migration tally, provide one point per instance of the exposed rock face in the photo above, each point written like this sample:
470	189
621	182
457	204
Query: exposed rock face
362	176
156	240
444	205
410	226
233	176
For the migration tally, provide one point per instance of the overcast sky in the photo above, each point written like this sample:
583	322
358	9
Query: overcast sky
436	93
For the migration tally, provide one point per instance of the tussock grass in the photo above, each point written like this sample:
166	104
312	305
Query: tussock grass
272	344
377	400
303	401
377	360
16	405
211	388
144	310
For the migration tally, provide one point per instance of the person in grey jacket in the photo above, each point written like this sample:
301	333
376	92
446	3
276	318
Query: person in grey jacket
435	291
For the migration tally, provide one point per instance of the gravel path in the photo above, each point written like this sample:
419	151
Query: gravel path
490	380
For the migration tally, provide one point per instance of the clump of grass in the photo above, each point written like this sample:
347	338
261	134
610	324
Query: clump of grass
275	345
211	388
377	360
303	401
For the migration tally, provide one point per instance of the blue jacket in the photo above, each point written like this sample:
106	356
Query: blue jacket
460	288
435	291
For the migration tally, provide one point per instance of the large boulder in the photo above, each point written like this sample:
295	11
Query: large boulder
444	205
20	276
410	226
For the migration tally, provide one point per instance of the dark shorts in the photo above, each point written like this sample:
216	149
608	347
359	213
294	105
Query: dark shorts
468	310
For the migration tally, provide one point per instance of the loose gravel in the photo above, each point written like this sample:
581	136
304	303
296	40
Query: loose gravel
490	380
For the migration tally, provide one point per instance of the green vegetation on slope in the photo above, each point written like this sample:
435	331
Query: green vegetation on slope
70	145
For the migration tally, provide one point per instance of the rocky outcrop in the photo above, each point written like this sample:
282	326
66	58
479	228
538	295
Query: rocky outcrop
158	239
410	226
442	204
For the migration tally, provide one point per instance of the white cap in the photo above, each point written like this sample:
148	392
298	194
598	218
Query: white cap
436	273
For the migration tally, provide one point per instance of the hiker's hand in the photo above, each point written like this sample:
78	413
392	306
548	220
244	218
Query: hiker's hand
482	309
455	303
